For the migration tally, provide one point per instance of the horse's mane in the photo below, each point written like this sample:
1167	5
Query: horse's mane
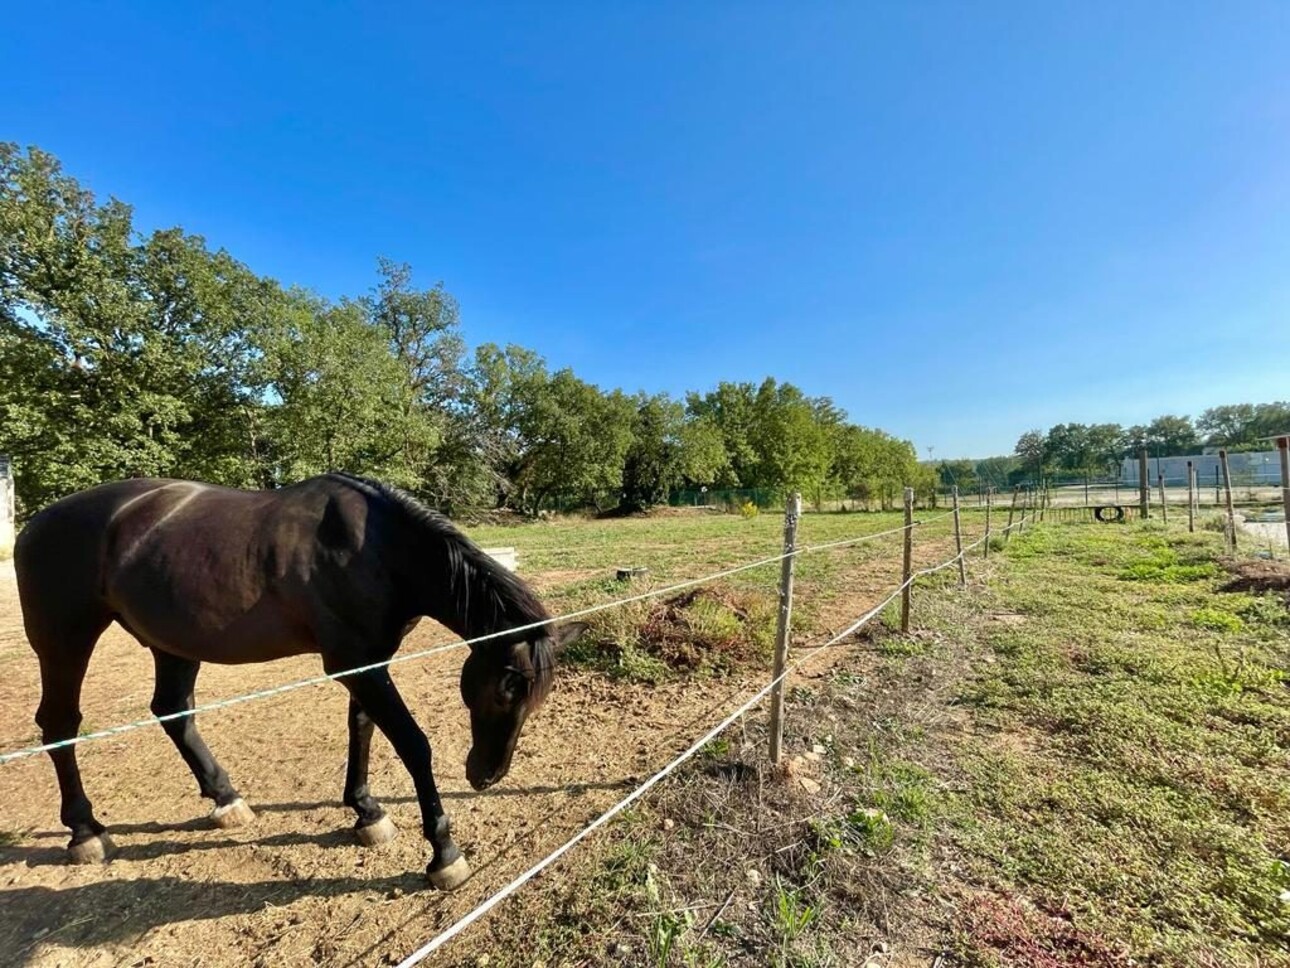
487	597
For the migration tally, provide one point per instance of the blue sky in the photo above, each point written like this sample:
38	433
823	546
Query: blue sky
958	220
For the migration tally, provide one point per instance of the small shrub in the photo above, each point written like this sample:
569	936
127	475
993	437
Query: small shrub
1216	620
748	510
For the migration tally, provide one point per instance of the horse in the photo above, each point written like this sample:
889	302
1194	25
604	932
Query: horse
338	565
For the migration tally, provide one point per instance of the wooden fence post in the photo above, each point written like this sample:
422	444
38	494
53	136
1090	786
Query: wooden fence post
791	514
1191	497
1012	509
1144	492
1283	445
908	571
1227	493
1164	508
989	492
958	541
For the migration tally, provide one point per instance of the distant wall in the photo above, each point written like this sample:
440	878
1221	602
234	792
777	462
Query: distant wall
8	505
1259	467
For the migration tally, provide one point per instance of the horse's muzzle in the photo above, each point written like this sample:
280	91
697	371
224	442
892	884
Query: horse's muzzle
479	776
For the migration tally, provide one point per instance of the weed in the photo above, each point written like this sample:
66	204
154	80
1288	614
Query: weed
1216	620
790	915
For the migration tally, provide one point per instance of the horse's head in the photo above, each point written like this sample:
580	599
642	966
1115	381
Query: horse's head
501	683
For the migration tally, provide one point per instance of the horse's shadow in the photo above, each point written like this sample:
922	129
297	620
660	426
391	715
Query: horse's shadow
113	910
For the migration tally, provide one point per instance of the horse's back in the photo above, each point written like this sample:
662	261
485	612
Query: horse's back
58	557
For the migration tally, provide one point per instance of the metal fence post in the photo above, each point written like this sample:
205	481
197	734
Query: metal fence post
1231	511
908	571
958	540
1164	508
791	513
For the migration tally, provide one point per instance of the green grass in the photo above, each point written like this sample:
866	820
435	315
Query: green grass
573	563
1134	762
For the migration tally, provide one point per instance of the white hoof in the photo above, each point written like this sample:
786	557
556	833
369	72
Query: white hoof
93	851
375	834
451	877
235	814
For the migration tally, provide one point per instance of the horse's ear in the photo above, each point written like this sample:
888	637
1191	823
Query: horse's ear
567	634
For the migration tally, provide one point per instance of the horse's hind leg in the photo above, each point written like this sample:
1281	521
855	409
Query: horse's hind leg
173	693
374	826
64	656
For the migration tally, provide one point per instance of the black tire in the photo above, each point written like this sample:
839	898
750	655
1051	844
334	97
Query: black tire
1109	513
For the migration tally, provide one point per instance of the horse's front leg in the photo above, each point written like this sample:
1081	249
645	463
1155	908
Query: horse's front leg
374	825
376	694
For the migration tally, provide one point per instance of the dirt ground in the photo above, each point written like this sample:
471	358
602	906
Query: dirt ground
294	887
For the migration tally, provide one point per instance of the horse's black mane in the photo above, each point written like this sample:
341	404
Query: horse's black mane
488	596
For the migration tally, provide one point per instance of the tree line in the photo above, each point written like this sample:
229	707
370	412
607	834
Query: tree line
1087	451
126	354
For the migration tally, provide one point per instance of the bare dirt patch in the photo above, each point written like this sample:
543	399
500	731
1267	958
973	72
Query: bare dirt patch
1257	575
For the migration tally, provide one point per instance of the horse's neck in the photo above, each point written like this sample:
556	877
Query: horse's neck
468	598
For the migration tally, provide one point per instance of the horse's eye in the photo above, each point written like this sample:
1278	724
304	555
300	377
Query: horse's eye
511	685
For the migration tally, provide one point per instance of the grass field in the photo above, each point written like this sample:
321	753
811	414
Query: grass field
1081	759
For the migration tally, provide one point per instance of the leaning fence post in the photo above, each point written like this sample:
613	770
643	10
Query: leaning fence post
791	513
908	572
1231	511
1191	497
958	540
1164	508
1283	445
989	491
1012	509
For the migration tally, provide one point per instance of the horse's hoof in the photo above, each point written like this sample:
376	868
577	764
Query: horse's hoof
380	832
93	851
451	877
235	814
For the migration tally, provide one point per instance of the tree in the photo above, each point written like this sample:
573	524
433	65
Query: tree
1172	436
343	397
1032	451
957	473
121	358
1244	426
996	472
730	408
789	438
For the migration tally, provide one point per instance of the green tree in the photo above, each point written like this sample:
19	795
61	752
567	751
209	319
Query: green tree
1032	451
1244	426
120	358
343	396
957	473
1172	436
731	408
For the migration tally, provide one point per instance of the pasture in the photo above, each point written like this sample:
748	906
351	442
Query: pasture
1078	759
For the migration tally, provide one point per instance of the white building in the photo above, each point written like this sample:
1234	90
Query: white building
7	508
1258	468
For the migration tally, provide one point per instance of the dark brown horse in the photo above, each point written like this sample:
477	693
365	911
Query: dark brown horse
336	565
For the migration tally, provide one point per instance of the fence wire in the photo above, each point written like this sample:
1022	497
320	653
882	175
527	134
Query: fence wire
23	753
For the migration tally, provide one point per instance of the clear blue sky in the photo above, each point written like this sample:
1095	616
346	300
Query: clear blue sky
958	220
